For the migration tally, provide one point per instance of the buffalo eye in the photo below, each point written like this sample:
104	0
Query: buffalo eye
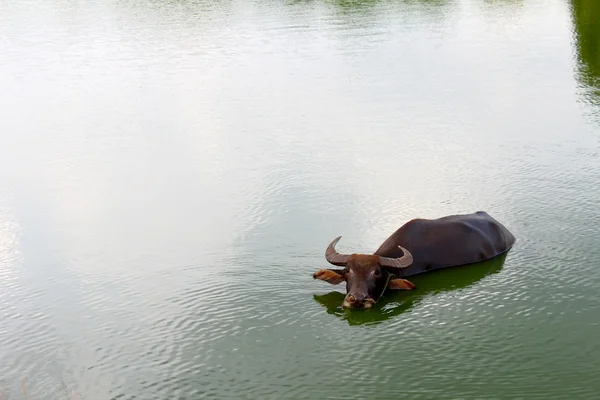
377	273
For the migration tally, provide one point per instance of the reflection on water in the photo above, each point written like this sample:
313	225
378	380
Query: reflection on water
172	171
397	302
586	24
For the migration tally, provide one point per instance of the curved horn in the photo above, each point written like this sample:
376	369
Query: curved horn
403	262
333	257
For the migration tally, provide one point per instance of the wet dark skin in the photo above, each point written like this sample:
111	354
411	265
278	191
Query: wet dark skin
365	280
418	246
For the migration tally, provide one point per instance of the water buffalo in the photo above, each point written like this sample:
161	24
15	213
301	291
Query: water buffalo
419	246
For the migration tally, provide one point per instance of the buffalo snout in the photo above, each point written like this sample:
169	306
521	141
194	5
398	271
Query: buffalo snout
358	300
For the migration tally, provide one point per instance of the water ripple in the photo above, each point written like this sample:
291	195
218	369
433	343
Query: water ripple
166	251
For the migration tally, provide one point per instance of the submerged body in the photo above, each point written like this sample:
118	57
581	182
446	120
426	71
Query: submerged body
419	246
448	241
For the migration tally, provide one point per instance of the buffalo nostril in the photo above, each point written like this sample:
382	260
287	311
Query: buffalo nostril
351	298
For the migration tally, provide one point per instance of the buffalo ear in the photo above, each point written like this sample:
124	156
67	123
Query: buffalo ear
333	276
400	284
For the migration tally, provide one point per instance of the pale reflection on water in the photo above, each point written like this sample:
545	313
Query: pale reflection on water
171	172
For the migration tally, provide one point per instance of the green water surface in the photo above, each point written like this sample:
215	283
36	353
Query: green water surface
171	173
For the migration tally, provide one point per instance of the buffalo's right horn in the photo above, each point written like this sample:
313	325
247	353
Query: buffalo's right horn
333	257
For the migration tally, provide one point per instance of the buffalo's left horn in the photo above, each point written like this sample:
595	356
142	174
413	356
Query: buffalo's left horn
405	261
333	257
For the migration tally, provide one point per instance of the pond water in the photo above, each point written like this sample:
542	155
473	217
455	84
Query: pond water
171	173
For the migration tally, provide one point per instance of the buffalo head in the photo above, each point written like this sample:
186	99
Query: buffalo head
366	276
